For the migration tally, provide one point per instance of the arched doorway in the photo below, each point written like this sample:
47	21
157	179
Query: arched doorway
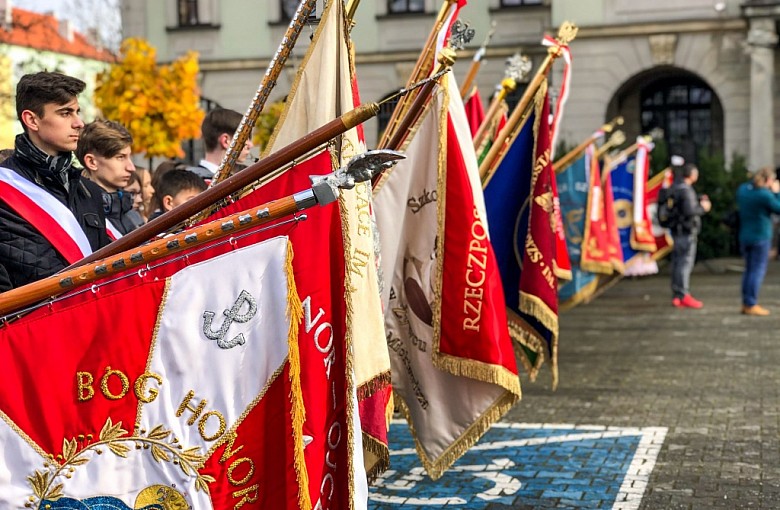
680	103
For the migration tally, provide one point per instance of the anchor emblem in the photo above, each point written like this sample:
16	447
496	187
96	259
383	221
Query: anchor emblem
231	315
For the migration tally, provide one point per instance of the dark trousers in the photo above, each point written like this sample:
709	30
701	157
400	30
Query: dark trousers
756	257
683	258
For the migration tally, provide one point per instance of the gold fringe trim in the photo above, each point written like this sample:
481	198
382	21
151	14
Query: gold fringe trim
581	296
298	413
437	467
535	307
380	451
376	383
563	274
640	246
478	370
524	335
596	266
441	209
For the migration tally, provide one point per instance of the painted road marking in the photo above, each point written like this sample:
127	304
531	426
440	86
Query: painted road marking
527	464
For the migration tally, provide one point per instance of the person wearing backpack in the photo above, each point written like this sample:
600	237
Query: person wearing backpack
684	226
757	200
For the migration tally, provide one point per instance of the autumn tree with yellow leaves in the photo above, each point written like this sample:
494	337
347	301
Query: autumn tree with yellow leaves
159	104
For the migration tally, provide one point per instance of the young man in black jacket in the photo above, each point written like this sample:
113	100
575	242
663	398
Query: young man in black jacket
104	150
50	216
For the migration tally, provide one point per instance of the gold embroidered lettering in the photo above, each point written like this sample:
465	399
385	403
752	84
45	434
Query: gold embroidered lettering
84	382
229	451
476	265
246	497
185	405
202	425
358	262
122	379
237	463
140	387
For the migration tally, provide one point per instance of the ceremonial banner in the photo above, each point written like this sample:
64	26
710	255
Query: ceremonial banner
525	244
324	89
174	387
622	180
596	256
663	240
610	218
561	263
452	358
475	111
641	231
573	189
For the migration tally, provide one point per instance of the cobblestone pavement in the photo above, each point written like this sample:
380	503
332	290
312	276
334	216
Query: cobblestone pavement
657	408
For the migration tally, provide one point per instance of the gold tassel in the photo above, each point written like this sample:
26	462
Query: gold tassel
295	316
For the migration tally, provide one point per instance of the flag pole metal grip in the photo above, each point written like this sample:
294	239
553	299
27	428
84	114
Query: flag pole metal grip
195	206
566	161
566	33
325	189
275	66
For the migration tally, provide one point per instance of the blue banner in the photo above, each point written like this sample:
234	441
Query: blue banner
623	193
573	194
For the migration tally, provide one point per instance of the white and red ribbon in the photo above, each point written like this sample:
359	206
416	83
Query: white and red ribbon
46	214
563	94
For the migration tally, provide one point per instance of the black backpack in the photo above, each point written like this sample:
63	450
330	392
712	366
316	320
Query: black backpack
666	212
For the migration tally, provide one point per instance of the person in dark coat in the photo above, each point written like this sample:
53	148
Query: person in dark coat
104	150
685	232
41	173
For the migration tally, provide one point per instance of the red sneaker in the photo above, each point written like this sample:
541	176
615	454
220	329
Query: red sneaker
690	302
677	302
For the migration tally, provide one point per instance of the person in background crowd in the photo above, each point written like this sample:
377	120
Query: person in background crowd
218	128
133	189
104	149
69	223
175	187
688	211
757	200
147	190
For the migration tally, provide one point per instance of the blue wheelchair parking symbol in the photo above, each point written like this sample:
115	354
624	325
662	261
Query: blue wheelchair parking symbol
526	466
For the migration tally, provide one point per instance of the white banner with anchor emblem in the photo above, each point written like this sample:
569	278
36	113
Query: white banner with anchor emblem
216	327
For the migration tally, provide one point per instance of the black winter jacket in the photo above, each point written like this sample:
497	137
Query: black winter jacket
25	253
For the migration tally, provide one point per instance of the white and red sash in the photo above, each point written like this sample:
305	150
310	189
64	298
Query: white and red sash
45	213
112	231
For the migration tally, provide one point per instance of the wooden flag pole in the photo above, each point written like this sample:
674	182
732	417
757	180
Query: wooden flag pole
566	34
476	63
565	161
192	208
325	190
421	69
242	134
516	69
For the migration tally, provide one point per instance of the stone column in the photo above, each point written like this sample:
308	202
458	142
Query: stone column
762	39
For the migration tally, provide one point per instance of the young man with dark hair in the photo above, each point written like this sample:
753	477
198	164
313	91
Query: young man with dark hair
104	150
217	130
50	217
685	231
175	187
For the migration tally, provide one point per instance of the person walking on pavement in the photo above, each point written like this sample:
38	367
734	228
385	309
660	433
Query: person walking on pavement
756	200
688	209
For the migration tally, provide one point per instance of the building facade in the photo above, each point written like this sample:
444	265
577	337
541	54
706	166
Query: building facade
32	42
701	70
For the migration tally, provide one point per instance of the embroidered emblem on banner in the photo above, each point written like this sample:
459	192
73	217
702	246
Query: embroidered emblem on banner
48	490
231	315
